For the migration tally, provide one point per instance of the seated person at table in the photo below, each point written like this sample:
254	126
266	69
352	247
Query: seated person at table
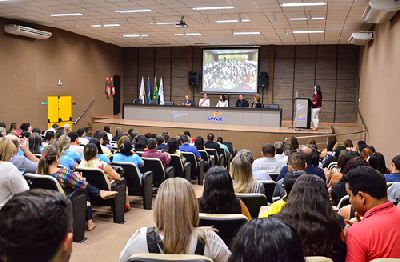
210	142
176	217
395	168
218	196
222	102
126	155
187	101
378	234
186	147
205	101
267	164
241	102
257	102
36	226
151	152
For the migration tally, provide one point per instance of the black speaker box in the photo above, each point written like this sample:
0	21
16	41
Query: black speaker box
193	78
263	79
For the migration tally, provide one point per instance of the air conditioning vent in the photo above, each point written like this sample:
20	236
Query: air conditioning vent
361	38
26	31
380	11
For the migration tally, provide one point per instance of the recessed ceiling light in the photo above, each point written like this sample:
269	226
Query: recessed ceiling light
180	34
302	4
112	25
227	21
135	35
308	32
71	14
204	8
193	34
318	18
96	26
298	19
246	33
164	23
245	20
133	11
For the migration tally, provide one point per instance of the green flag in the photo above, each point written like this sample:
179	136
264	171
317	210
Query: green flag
155	91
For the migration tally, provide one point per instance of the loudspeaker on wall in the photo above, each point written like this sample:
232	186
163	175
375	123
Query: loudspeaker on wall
263	79
193	78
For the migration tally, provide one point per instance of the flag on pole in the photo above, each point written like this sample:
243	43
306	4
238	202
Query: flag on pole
148	91
155	91
142	93
161	92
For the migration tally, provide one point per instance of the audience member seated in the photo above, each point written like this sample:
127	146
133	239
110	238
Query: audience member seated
36	226
241	102
3	129
160	143
361	144
151	152
210	142
218	195
107	129
13	130
100	153
172	147
104	143
83	140
199	143
92	161
35	143
310	214
64	143
75	145
349	145
68	180
243	181
205	101
267	240
27	161
377	161
26	127
257	102
267	164
395	168
279	152
288	183
49	138
187	132
186	147
221	144
222	102
297	166
338	190
118	134
328	151
126	155
132	133
11	181
67	129
176	216
141	143
378	234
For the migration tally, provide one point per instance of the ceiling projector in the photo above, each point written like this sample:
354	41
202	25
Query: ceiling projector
181	24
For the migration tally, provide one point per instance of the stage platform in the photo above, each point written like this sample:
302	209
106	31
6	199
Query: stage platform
250	137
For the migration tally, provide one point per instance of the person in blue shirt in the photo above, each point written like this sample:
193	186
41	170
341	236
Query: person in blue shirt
160	142
241	102
126	155
185	147
395	168
100	153
63	143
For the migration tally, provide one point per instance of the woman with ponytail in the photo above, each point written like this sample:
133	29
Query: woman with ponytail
68	180
316	104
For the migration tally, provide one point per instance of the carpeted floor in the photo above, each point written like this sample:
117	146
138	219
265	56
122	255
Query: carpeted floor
107	240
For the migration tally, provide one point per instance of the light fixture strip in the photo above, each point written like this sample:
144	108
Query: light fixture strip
302	4
133	11
246	33
308	32
111	25
204	8
70	14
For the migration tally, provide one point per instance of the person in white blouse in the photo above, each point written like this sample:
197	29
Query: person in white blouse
176	216
205	101
222	102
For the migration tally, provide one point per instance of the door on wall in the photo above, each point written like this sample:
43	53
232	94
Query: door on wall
117	96
59	110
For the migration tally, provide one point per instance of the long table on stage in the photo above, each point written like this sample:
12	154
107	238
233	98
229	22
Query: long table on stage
266	117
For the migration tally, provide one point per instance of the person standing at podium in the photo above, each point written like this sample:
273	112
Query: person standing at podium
316	103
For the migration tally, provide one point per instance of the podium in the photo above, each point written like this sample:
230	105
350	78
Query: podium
302	115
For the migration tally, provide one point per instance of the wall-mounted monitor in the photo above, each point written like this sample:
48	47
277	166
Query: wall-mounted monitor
232	70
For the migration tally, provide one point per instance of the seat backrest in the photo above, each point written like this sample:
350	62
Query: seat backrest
253	201
190	157
269	187
393	192
155	165
318	259
226	224
230	146
386	260
176	162
274	176
43	182
95	177
149	257
204	155
132	178
344	201
213	152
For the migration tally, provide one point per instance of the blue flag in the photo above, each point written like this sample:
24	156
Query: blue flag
148	97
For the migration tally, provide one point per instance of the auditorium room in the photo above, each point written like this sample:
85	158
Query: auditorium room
199	130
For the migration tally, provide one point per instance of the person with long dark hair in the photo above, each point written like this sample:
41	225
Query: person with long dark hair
316	103
222	102
268	240
310	214
126	155
218	196
377	161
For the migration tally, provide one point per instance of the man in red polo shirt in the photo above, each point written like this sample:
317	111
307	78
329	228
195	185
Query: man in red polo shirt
378	234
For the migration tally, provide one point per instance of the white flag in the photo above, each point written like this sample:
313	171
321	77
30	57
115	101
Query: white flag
142	93
161	92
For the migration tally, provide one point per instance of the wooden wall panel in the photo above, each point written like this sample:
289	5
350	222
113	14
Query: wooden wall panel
325	51
284	68
146	63
305	68
345	111
346	90
329	89
163	69
326	68
130	79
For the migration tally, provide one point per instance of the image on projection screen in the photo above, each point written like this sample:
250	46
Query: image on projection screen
230	70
